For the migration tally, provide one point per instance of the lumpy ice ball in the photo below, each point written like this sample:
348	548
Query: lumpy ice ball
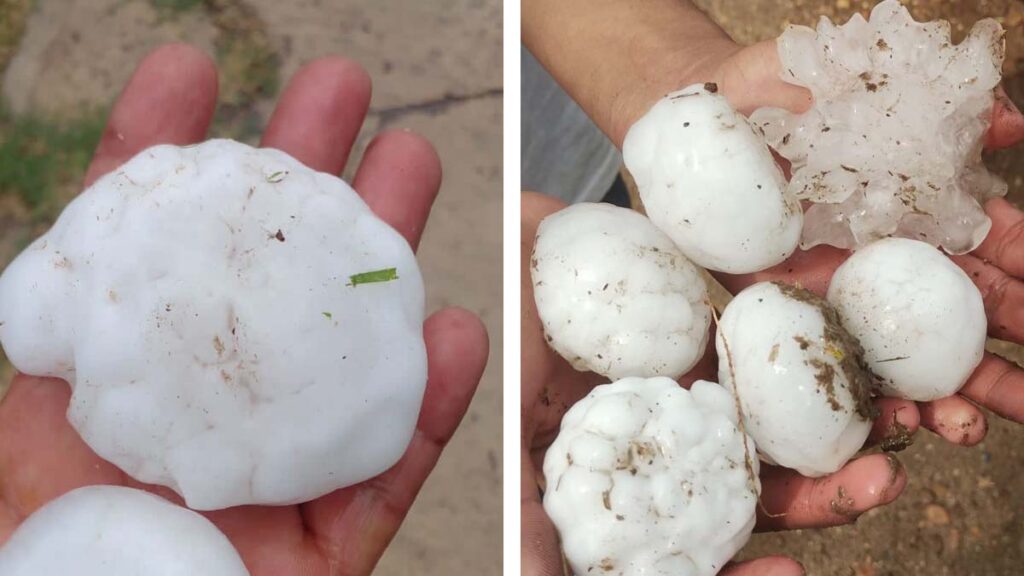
918	316
233	325
709	181
615	295
647	478
892	145
798	375
117	531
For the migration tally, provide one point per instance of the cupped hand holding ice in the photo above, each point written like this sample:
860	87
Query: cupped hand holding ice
211	321
752	78
170	99
550	386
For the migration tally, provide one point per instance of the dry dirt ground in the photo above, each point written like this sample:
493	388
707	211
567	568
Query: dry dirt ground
437	69
962	513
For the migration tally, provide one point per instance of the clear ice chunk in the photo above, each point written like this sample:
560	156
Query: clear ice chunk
892	145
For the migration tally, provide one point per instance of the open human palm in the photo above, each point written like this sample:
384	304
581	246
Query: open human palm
170	100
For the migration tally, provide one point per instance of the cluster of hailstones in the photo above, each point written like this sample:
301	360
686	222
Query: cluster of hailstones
646	477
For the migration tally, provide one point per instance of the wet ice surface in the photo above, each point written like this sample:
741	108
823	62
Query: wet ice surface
616	296
797	375
117	531
649	478
707	180
234	325
919	317
892	146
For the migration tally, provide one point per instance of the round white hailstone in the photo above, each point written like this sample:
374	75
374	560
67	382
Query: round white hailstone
233	324
799	376
648	478
918	316
117	531
892	146
709	181
615	295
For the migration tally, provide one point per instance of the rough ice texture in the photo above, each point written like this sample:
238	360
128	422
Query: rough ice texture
709	181
918	316
647	478
117	531
892	146
199	301
783	359
615	295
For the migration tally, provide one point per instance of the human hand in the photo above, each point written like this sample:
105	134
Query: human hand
171	99
750	78
550	386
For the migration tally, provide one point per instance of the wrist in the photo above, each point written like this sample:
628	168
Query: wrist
669	67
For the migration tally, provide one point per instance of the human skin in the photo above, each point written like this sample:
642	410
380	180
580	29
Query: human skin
616	59
171	99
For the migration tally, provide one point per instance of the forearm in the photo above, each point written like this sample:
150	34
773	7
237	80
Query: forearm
617	57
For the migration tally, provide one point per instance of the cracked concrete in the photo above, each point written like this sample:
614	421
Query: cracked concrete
433	107
436	68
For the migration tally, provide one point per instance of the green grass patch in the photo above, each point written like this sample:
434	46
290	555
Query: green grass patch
175	6
248	63
41	156
13	15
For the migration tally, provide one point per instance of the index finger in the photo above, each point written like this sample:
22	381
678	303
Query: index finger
170	99
1007	127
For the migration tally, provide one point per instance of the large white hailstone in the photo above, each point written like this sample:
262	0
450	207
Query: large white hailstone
647	478
117	531
892	146
918	316
233	325
798	375
615	295
709	181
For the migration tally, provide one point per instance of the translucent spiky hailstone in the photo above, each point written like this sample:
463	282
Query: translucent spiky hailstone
649	479
798	375
233	324
616	297
892	145
918	316
117	531
709	181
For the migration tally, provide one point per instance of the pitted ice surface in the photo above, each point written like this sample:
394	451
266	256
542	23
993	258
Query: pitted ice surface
615	295
648	478
892	145
918	316
233	325
798	375
117	531
709	181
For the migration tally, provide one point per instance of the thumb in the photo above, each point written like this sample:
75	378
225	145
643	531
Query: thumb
752	79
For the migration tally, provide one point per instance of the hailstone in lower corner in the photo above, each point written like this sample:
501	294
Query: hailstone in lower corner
615	296
647	478
918	316
233	324
892	145
798	375
710	182
117	531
